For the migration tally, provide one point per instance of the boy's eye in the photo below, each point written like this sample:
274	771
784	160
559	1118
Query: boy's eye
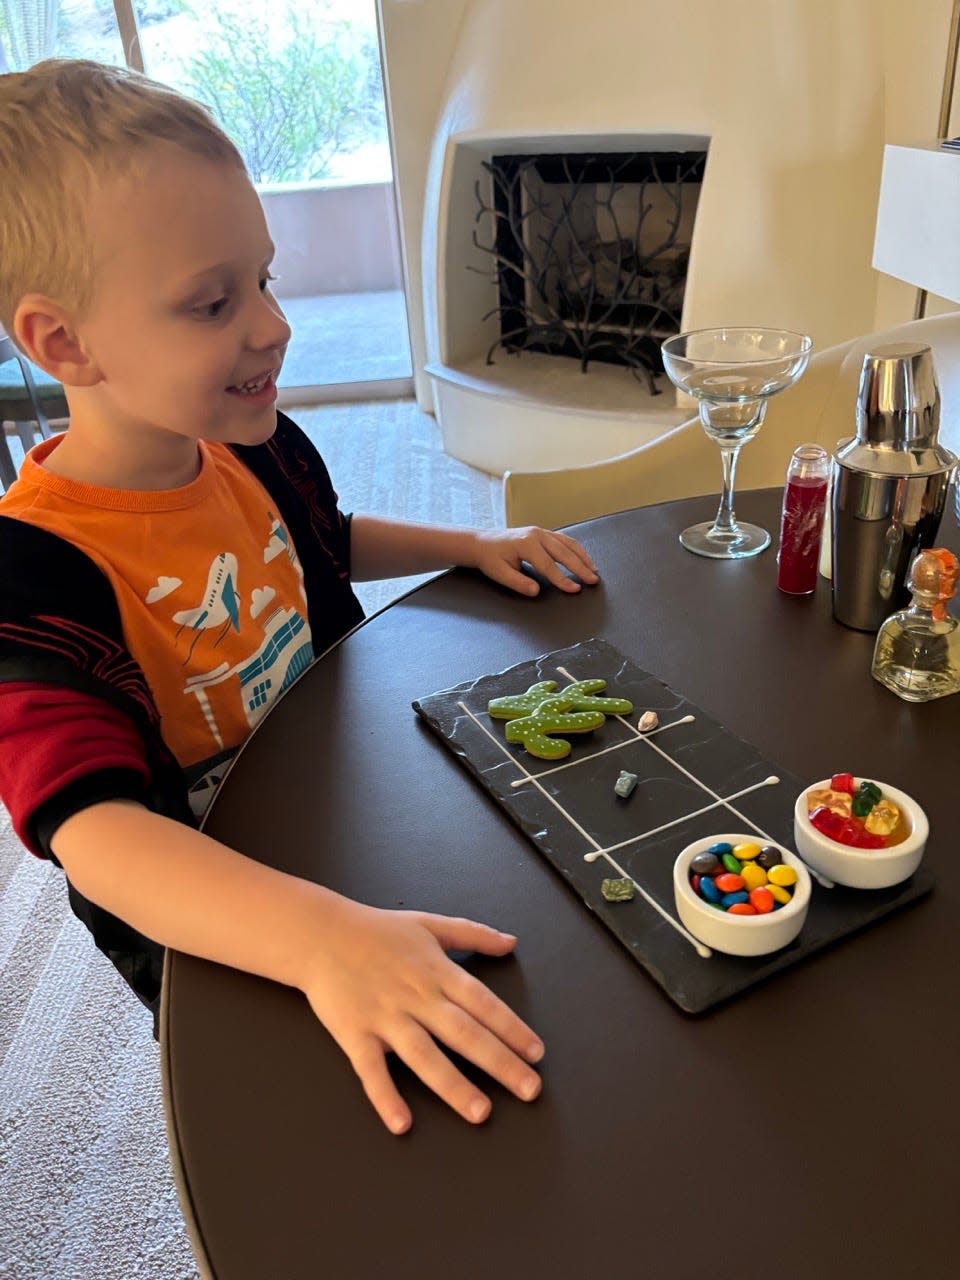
266	280
210	310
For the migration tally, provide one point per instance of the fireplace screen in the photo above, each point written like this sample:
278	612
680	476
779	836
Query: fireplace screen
590	252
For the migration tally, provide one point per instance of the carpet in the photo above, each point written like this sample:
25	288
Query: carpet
86	1188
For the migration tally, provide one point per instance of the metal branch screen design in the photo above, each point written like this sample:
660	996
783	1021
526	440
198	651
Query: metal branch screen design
590	252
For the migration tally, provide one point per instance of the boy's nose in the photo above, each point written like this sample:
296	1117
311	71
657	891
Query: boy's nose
271	328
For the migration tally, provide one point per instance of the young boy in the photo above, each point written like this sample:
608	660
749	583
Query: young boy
173	560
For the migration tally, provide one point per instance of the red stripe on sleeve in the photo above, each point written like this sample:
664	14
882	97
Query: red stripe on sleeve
51	736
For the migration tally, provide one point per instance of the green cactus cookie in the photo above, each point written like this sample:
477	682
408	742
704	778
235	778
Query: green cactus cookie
580	697
551	716
520	704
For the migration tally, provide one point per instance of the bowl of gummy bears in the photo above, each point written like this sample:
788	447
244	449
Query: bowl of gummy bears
741	895
859	832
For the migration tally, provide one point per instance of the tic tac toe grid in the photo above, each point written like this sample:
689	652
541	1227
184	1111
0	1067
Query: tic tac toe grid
694	779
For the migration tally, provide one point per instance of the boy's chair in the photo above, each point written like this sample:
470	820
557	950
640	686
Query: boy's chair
683	463
26	402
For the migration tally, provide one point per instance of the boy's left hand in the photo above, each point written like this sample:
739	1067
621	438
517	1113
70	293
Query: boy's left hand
501	553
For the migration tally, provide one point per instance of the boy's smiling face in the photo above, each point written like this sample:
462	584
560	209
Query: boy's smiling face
183	329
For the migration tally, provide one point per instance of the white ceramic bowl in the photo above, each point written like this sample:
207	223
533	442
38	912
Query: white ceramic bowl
861	868
739	935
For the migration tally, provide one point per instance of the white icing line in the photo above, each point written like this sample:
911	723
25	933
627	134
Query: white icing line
674	822
617	746
700	949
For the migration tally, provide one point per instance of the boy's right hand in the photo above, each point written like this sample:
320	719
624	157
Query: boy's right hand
381	981
378	980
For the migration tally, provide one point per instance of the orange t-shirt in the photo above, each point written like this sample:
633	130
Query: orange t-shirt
209	588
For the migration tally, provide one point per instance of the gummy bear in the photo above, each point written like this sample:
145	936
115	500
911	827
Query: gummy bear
826	821
848	831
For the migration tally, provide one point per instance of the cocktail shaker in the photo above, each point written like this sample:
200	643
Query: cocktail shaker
890	484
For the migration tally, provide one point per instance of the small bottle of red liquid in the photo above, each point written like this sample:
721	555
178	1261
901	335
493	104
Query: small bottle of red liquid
801	524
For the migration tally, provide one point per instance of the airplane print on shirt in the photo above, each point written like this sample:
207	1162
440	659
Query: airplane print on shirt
260	636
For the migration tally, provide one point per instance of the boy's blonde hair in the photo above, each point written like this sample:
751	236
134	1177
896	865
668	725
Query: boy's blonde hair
65	125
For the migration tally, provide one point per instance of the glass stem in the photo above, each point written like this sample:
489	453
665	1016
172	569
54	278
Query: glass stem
726	521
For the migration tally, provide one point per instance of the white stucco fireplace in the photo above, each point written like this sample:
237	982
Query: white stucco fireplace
502	408
790	102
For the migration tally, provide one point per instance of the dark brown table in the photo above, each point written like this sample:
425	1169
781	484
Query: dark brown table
807	1128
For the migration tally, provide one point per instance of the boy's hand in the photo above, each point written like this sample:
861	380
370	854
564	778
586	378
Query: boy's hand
500	554
381	981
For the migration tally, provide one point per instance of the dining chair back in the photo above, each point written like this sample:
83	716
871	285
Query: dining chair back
27	403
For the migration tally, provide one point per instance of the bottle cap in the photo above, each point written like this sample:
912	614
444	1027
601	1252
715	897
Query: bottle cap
934	574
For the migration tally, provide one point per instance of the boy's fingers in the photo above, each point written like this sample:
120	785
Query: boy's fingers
487	1010
455	1028
546	563
573	556
370	1064
457	934
469	993
417	1048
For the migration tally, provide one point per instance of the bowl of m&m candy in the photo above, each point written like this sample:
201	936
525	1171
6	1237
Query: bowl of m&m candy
740	894
859	832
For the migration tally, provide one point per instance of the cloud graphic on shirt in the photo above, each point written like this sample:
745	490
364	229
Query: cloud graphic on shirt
278	543
163	588
260	597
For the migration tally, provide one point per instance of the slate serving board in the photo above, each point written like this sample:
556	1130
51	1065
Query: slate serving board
683	768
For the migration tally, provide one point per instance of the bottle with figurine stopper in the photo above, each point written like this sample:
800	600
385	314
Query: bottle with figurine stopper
917	654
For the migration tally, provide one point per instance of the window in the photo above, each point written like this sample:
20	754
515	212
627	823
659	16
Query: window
297	87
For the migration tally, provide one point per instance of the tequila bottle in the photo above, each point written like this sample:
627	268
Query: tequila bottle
917	653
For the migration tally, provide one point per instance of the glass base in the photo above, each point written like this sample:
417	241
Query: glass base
707	540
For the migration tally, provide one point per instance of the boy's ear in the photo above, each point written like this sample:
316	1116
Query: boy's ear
46	333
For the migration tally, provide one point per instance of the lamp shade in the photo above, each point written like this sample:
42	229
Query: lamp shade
918	218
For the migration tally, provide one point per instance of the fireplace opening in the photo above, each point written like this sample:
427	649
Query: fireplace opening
590	252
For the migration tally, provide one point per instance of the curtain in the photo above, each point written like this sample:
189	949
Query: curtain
28	32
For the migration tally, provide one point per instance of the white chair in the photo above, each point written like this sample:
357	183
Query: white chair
684	463
25	403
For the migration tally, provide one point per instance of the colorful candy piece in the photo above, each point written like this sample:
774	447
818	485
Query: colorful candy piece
782	875
746	852
865	798
732	863
705	864
709	890
848	831
769	856
836	799
741	909
734	899
753	875
779	894
761	900
843	782
728	882
882	818
720	848
620	889
551	717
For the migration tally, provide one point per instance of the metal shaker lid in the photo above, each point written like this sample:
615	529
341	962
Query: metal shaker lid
898	414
